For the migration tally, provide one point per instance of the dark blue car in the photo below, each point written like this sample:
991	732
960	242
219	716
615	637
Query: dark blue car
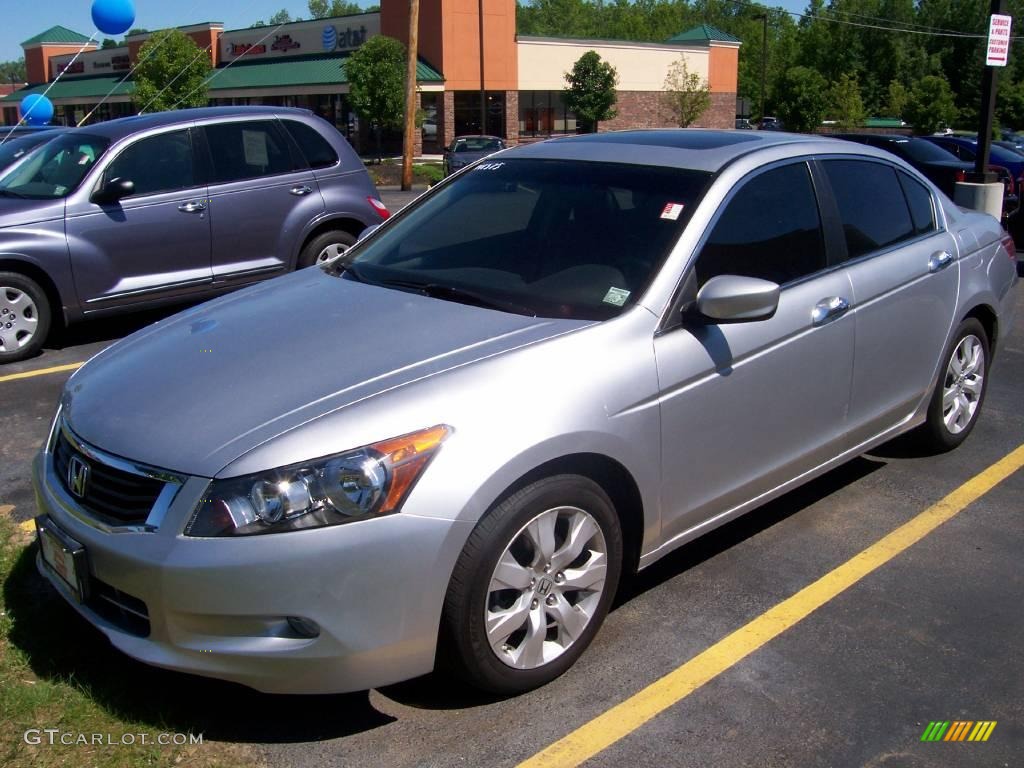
966	148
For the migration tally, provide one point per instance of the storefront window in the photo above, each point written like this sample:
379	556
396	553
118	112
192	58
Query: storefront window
543	113
467	113
428	103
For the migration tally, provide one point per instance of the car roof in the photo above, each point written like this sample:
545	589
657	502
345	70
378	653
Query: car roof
693	148
478	136
125	126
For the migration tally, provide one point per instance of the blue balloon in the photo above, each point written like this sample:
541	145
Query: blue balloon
113	17
36	109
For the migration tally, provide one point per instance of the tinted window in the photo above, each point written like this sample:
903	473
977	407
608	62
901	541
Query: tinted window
245	150
872	208
159	163
770	229
919	199
317	151
924	151
550	238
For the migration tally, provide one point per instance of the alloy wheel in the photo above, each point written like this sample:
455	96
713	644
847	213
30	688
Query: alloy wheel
546	587
963	384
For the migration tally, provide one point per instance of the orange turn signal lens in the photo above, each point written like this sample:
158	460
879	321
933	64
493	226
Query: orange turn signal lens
406	457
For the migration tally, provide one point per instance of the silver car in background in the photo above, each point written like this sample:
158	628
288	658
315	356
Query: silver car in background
449	444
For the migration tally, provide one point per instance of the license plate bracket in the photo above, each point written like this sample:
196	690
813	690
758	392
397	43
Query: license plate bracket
64	557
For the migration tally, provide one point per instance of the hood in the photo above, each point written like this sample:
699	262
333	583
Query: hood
196	391
16	211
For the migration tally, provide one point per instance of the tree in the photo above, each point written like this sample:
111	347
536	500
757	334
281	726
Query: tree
173	76
1010	104
13	70
591	90
802	99
137	31
896	104
109	42
376	78
322	9
845	102
931	106
687	95
281	17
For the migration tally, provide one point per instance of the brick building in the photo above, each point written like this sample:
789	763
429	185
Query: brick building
302	64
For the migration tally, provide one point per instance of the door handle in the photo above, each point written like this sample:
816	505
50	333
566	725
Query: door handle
192	206
301	190
829	309
939	261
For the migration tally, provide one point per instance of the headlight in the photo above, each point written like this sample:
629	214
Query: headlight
354	485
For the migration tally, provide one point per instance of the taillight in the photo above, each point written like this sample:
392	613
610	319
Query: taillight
379	207
1011	249
961	175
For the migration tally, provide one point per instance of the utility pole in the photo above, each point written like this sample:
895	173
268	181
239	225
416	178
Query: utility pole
763	18
410	95
483	92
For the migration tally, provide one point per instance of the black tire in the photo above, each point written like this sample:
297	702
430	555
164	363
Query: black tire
15	345
934	435
465	649
322	241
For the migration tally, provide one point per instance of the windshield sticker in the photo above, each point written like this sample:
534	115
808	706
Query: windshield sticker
254	145
671	211
489	167
616	296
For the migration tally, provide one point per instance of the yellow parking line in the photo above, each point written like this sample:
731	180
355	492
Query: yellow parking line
624	718
28	526
42	372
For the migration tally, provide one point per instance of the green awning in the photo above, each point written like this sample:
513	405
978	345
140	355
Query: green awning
86	88
320	69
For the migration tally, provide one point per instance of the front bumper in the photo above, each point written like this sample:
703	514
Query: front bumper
219	607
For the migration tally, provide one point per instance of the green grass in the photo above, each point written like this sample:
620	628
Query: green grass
56	671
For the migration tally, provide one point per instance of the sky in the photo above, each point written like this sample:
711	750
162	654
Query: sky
27	19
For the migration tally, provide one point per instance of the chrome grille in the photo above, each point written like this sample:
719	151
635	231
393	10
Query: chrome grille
112	495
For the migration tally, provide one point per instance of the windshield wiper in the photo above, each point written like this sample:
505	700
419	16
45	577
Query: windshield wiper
460	295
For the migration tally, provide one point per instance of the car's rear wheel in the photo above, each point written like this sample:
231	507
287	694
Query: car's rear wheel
24	317
326	246
959	390
532	585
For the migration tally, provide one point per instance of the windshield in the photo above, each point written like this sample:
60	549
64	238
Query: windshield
16	148
478	144
54	169
924	151
549	238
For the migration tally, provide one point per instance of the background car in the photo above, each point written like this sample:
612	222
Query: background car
468	149
940	165
743	124
170	207
769	123
537	379
966	148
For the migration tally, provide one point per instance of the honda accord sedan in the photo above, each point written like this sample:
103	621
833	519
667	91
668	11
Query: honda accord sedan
448	445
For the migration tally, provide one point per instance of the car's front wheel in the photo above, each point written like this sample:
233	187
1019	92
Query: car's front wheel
533	585
24	317
959	390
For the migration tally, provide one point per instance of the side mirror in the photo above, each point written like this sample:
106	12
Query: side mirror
367	232
731	298
113	190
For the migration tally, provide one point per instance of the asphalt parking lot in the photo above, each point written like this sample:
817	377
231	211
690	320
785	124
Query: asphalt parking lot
931	632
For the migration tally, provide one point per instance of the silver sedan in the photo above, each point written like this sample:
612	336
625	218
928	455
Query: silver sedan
450	445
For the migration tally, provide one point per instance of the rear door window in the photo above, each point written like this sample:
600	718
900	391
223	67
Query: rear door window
248	149
770	229
316	149
919	200
872	206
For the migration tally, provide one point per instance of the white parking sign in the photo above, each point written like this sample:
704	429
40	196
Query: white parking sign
998	40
